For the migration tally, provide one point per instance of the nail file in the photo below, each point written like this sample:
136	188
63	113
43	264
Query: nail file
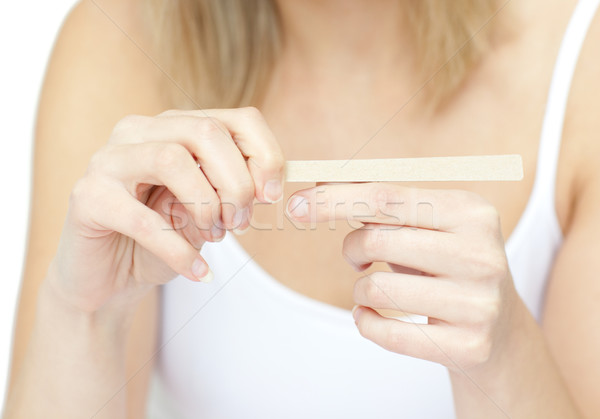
421	169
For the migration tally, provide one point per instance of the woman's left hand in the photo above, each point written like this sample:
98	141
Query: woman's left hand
446	251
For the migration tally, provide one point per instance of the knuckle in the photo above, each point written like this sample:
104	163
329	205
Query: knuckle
170	112
483	213
78	192
497	267
486	309
207	128
490	265
393	340
103	161
273	160
492	310
478	348
462	195
84	197
169	156
373	241
375	292
471	199
489	216
141	226
129	123
251	113
380	196
97	161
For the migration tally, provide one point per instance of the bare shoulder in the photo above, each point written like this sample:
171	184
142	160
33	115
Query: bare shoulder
101	70
582	124
105	59
571	306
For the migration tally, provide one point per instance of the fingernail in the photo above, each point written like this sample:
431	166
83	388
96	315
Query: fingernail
241	231
273	191
217	233
298	207
208	277
239	217
355	313
201	270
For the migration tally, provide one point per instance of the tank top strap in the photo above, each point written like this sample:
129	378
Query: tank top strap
558	96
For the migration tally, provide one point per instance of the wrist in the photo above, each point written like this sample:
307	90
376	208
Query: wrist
63	315
504	382
512	340
75	360
96	302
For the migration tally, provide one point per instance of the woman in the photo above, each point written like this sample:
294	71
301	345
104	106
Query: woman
511	329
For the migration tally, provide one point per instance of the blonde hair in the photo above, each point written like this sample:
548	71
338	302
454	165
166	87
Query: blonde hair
220	53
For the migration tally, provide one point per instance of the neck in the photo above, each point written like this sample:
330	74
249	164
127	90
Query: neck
344	35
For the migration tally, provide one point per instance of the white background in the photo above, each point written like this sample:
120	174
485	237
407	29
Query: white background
27	33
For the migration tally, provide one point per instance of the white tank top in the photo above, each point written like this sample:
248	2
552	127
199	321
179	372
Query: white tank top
246	346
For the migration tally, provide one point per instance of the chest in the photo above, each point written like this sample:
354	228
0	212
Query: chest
496	112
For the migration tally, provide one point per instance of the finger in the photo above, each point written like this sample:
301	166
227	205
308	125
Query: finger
257	143
422	295
168	164
211	144
422	341
383	203
174	213
124	214
432	252
223	165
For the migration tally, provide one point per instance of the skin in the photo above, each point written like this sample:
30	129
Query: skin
89	336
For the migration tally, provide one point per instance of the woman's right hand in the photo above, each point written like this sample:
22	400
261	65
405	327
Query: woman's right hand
152	196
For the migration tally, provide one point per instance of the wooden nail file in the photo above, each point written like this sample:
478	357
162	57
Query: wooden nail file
421	169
